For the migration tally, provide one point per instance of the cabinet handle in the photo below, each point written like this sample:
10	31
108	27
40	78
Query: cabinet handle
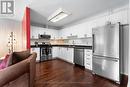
88	64
88	58
93	48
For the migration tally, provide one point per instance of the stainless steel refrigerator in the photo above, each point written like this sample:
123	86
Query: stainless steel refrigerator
106	51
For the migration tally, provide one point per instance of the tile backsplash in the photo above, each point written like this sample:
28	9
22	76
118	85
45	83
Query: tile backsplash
78	41
87	41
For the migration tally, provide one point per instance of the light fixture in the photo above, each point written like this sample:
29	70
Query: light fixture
58	15
12	42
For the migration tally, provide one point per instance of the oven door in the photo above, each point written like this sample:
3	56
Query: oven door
43	54
49	53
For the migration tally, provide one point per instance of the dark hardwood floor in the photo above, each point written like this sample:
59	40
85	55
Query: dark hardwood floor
57	73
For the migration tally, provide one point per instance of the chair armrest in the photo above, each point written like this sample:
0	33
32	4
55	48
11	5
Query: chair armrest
13	72
32	69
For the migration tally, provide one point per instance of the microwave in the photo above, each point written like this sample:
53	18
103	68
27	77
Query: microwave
43	36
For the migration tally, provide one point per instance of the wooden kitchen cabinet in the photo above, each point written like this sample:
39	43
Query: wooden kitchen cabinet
88	59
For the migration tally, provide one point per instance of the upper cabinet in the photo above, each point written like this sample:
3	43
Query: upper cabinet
38	30
34	32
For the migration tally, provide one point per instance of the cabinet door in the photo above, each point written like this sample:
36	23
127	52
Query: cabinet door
37	50
70	54
55	52
88	59
61	53
64	53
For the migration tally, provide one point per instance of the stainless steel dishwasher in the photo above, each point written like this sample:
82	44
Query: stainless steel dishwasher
79	56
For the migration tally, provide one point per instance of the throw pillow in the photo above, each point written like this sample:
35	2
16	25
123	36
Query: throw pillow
16	57
3	64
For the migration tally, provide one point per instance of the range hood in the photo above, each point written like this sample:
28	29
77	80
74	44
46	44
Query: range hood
43	36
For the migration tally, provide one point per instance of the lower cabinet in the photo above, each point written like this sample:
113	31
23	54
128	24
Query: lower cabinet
69	54
55	52
88	59
64	53
37	50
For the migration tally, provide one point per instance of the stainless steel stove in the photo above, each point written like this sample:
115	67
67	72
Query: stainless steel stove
45	53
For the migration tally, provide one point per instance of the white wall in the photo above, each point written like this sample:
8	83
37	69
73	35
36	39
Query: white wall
85	26
6	27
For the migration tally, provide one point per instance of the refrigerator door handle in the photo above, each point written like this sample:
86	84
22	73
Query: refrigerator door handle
107	58
93	43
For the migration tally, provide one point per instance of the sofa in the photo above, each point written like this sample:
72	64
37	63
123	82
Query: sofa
20	73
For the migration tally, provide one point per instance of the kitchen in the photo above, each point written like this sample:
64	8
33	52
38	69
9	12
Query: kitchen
74	43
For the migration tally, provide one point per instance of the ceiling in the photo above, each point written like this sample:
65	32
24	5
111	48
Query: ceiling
80	9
